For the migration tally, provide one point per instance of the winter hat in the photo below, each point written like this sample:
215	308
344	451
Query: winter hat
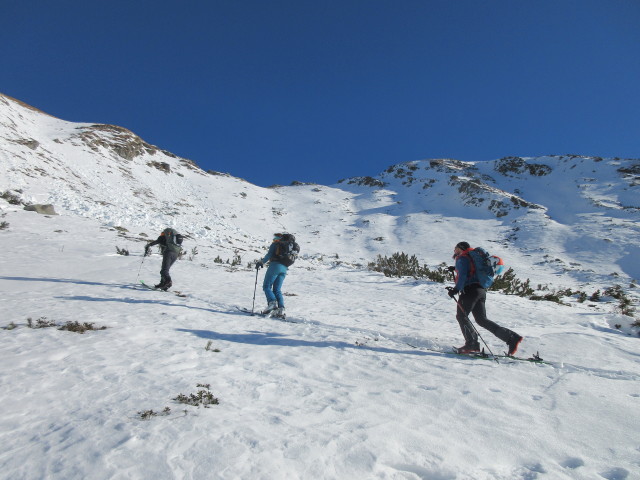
463	246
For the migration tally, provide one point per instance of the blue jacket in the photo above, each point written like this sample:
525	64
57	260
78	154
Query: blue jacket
275	266
463	271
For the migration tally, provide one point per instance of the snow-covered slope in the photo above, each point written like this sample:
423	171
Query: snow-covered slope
339	394
360	384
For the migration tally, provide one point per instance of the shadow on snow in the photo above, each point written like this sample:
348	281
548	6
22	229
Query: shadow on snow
280	340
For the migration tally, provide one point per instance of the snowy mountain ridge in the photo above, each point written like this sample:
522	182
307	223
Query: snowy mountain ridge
570	216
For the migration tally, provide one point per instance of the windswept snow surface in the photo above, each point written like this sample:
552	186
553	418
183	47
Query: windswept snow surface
335	394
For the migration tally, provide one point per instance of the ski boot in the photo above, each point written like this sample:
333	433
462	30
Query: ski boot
271	307
468	348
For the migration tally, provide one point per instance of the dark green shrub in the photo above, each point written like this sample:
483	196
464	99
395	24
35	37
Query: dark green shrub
12	198
42	322
78	327
402	265
509	284
204	397
625	306
147	414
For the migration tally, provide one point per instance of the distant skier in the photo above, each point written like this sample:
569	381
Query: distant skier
472	300
281	255
170	243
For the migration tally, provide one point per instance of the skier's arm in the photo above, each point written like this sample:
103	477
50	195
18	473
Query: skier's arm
159	240
271	253
462	268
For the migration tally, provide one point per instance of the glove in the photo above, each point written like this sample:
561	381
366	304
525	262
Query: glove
146	251
259	264
451	269
452	291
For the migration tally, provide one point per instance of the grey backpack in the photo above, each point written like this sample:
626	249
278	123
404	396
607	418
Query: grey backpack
174	240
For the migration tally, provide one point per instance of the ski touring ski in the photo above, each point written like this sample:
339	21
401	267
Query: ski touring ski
175	292
282	318
487	356
454	351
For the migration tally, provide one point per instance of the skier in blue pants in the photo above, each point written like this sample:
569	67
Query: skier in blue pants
276	273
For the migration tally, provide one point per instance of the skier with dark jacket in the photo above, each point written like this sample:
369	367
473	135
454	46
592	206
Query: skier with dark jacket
169	241
472	300
279	263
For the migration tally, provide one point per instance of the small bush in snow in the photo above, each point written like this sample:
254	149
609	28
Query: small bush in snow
398	265
237	260
204	397
509	284
402	265
11	197
4	225
147	414
42	322
122	251
78	327
624	303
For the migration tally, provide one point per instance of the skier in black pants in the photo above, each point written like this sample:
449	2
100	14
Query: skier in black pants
169	241
472	300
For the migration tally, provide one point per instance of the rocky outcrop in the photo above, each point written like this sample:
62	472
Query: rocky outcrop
119	140
41	209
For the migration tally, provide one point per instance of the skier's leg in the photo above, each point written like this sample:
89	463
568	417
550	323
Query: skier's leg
267	287
480	315
168	259
465	304
277	289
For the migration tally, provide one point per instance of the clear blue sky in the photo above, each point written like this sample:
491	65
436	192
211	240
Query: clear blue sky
274	91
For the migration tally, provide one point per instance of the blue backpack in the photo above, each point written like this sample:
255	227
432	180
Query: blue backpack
485	266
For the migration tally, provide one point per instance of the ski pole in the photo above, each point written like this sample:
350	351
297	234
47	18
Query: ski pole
138	277
254	290
457	300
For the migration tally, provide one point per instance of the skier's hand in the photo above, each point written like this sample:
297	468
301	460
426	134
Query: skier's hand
259	264
452	291
147	251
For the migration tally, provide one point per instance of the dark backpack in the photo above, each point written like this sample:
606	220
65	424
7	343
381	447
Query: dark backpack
484	266
174	240
287	250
